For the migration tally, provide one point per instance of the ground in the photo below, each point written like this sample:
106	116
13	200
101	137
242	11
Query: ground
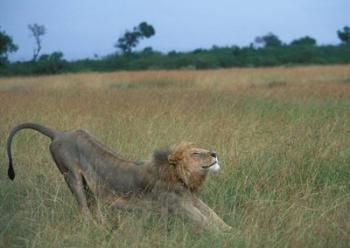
281	134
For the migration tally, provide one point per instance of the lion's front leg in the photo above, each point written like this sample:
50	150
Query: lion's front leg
131	203
192	213
213	218
181	204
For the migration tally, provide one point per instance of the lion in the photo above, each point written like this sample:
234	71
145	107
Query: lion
167	181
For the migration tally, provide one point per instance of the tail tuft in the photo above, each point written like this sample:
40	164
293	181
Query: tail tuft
11	172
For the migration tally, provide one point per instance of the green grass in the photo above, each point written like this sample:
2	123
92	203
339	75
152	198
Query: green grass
284	151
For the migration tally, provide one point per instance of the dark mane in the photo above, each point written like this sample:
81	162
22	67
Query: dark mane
160	156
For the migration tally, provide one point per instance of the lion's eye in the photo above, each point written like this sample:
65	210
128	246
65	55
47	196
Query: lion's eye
196	154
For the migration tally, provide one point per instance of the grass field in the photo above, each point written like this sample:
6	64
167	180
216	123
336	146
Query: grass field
282	135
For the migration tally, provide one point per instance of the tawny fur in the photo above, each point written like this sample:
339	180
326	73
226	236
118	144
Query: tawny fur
169	179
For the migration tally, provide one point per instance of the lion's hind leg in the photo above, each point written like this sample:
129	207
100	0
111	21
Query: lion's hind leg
75	184
69	168
90	196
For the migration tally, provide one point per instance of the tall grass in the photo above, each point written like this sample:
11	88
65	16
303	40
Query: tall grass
284	150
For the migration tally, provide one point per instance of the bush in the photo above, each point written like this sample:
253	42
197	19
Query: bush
51	64
301	51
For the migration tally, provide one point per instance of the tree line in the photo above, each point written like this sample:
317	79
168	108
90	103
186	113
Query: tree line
265	50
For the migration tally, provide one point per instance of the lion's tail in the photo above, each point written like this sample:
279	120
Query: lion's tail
44	130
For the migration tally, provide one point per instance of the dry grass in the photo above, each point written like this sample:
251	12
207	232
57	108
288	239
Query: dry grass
282	135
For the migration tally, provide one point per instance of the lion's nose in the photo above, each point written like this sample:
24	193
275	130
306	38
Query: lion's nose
213	154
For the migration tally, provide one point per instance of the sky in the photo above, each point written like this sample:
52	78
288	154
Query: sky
83	28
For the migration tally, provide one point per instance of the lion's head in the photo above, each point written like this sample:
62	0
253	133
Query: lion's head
187	163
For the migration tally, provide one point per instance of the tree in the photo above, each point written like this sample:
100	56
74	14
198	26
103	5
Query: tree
269	40
6	46
304	41
131	39
344	35
146	30
37	31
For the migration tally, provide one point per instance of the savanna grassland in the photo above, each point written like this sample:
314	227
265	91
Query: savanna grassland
282	136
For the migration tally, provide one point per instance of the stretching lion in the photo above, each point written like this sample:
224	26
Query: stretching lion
168	181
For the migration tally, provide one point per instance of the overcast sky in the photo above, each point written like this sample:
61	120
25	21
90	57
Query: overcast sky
82	28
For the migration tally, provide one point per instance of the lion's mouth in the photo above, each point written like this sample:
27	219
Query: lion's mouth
208	166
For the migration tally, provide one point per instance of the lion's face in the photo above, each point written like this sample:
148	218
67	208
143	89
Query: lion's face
201	160
197	160
191	164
